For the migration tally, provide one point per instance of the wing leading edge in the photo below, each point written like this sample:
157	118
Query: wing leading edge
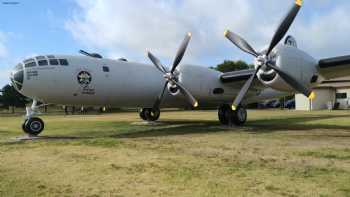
238	78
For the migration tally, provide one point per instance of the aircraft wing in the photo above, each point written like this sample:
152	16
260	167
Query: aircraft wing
335	67
237	79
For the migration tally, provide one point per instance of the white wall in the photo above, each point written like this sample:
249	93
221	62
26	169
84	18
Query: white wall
301	102
323	97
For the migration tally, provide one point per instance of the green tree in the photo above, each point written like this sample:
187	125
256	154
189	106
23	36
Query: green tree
228	66
1	101
11	98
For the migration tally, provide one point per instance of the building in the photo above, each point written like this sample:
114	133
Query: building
330	94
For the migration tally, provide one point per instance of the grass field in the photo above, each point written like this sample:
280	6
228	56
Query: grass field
277	153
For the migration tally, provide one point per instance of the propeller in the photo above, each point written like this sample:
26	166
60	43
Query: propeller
263	59
170	76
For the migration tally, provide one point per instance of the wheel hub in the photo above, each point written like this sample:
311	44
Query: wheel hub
35	126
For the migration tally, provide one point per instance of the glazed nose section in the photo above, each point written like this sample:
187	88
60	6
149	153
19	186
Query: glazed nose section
17	77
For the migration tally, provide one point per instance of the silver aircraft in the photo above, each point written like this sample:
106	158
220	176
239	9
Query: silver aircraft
92	80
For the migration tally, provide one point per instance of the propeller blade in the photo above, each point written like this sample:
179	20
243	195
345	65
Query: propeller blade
188	95
160	97
181	51
244	90
284	26
292	82
240	42
156	62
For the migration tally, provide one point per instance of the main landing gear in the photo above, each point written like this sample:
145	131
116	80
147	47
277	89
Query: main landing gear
230	117
33	125
149	114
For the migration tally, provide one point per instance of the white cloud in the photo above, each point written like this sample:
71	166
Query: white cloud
5	76
3	50
128	28
326	35
4	70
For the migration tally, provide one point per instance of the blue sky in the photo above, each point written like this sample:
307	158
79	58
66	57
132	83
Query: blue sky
127	28
34	27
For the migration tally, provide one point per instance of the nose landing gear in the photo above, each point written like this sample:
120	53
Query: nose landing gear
227	116
33	125
149	114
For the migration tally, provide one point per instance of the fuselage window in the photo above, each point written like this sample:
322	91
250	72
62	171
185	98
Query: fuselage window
105	69
42	63
30	64
53	62
63	62
218	91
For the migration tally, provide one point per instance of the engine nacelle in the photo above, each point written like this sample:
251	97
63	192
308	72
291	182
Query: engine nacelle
293	61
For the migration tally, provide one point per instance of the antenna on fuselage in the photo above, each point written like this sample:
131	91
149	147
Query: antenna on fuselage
94	55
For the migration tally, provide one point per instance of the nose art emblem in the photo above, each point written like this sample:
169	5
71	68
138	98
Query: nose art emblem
84	78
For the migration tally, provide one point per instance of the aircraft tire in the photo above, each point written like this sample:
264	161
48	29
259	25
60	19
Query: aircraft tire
240	116
152	115
24	126
33	126
142	114
222	114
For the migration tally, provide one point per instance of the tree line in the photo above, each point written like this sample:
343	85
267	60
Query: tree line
10	98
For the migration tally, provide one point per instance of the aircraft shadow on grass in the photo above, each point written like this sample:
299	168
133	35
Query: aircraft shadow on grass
190	127
253	127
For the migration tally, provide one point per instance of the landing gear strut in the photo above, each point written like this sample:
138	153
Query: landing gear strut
227	116
33	125
149	114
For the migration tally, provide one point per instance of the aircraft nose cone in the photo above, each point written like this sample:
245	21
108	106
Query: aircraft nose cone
17	77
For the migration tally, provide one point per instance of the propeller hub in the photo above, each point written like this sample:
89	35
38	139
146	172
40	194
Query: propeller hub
171	76
168	76
260	61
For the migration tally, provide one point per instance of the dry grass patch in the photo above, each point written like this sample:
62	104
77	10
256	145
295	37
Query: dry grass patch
288	154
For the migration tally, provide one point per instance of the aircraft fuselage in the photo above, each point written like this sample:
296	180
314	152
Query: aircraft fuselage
105	82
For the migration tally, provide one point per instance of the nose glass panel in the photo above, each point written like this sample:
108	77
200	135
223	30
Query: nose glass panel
17	77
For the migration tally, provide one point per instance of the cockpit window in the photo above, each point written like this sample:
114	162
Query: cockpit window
19	66
30	64
42	63
53	62
63	62
40	57
50	56
28	60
